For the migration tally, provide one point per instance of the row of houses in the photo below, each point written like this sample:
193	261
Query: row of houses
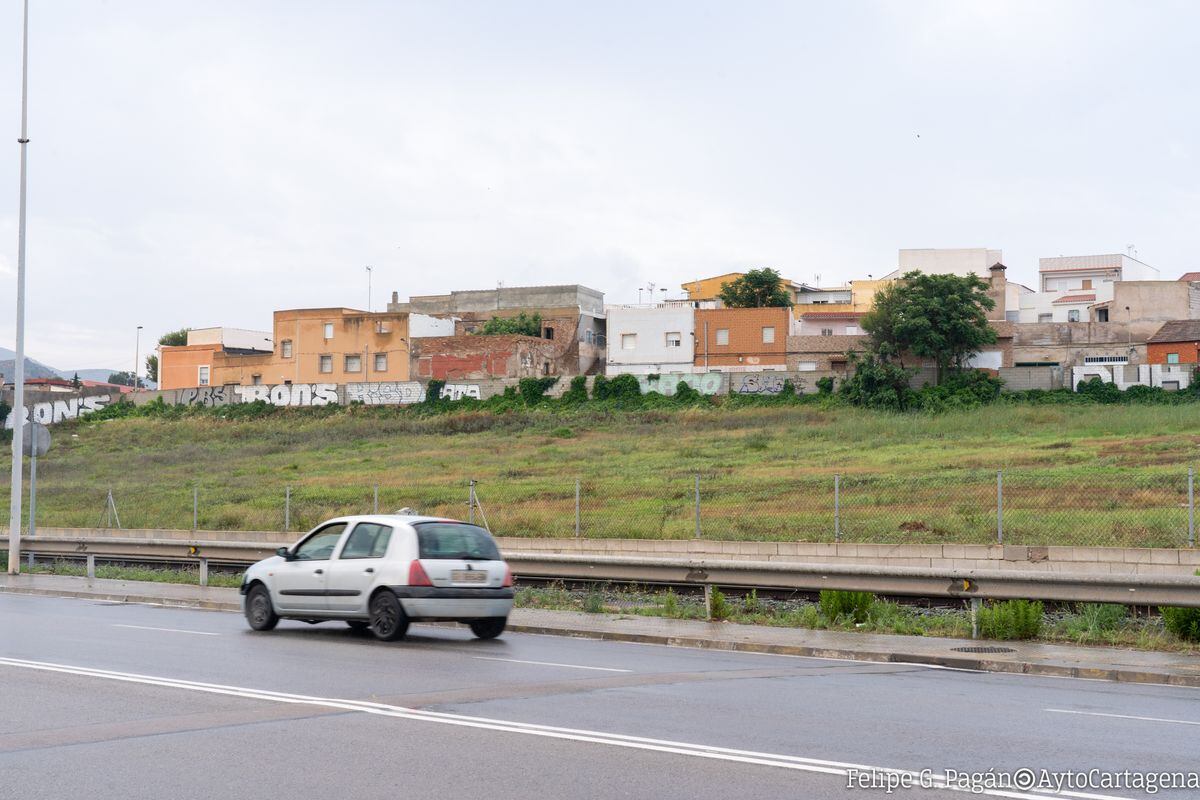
1104	310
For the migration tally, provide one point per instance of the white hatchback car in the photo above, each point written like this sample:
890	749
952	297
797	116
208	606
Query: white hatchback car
382	572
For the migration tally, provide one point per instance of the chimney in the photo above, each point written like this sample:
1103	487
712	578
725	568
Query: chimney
998	290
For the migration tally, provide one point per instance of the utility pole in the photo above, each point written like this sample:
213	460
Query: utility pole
137	348
370	308
14	504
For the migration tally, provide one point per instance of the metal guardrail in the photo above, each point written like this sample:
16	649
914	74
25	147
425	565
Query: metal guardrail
798	576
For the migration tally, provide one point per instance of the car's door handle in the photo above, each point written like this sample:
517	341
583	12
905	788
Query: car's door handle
369	569
318	572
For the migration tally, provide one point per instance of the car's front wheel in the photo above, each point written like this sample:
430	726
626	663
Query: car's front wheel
260	614
488	628
388	620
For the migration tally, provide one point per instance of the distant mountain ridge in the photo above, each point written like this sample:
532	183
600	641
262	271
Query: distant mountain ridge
36	369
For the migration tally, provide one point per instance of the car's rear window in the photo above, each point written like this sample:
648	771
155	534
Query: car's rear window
455	540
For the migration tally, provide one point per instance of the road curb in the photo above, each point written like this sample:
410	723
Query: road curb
1022	667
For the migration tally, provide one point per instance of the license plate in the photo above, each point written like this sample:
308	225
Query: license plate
468	576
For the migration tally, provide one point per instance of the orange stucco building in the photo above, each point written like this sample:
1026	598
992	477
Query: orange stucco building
742	339
307	345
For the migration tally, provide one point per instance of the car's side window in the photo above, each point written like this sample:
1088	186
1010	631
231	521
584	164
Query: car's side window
319	546
368	540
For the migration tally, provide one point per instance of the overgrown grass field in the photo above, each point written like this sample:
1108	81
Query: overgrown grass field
1073	474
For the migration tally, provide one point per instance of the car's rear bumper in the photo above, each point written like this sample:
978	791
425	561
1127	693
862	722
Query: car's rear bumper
438	602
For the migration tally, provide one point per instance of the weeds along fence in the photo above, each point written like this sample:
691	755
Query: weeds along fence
1114	507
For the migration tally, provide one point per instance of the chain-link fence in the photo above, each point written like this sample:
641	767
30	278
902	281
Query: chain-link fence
1132	508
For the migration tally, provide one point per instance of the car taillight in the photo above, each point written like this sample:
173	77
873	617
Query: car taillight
508	581
417	575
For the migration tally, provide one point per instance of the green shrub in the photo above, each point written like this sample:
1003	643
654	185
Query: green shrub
533	390
1183	622
836	604
563	433
433	394
624	387
593	601
719	607
600	388
686	395
522	324
670	603
1098	619
577	392
877	384
751	604
825	385
1011	619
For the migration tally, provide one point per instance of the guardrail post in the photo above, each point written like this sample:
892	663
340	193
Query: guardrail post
577	508
974	617
287	508
195	507
837	508
29	559
697	505
204	572
375	503
91	566
999	506
708	602
1191	507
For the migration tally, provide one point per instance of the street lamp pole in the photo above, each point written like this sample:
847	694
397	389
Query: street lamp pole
14	504
369	307
137	352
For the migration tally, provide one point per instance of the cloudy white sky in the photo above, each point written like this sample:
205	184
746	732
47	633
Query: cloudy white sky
204	163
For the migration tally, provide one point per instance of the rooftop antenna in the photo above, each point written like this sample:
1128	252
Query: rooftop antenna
1131	250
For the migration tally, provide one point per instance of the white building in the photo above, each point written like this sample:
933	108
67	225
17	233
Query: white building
961	261
652	338
1069	285
233	338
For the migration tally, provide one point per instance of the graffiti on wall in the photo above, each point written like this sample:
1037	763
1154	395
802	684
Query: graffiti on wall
54	411
760	383
209	396
296	394
1163	376
386	393
457	391
704	383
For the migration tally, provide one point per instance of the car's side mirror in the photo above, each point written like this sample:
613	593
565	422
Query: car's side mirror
285	553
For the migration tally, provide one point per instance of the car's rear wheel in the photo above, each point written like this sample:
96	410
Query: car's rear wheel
488	628
388	621
260	614
358	624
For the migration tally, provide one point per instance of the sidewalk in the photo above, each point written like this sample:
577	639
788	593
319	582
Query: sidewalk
1100	663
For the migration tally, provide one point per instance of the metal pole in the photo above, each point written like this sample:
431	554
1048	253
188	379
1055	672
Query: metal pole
577	508
1191	507
108	507
204	572
91	566
287	508
375	504
14	503
137	353
697	505
837	508
33	495
195	507
999	506
471	501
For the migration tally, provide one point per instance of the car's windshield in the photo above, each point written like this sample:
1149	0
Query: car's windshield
455	540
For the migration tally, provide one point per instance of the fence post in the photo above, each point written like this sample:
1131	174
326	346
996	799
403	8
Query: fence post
471	501
204	572
375	504
577	508
287	508
91	566
697	505
837	508
1191	506
999	506
195	507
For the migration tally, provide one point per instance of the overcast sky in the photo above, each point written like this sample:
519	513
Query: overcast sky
205	163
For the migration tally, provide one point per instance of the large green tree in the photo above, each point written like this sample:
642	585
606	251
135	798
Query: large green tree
939	317
173	339
758	288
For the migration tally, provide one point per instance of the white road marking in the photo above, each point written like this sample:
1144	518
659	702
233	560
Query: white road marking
169	630
530	729
549	664
1122	716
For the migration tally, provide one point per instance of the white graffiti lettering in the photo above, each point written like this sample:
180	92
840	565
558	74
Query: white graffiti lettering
54	411
1163	376
295	394
705	383
457	391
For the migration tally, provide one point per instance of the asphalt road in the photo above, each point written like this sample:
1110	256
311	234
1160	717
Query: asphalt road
101	700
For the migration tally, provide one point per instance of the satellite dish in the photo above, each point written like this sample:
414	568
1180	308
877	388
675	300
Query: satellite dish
36	439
